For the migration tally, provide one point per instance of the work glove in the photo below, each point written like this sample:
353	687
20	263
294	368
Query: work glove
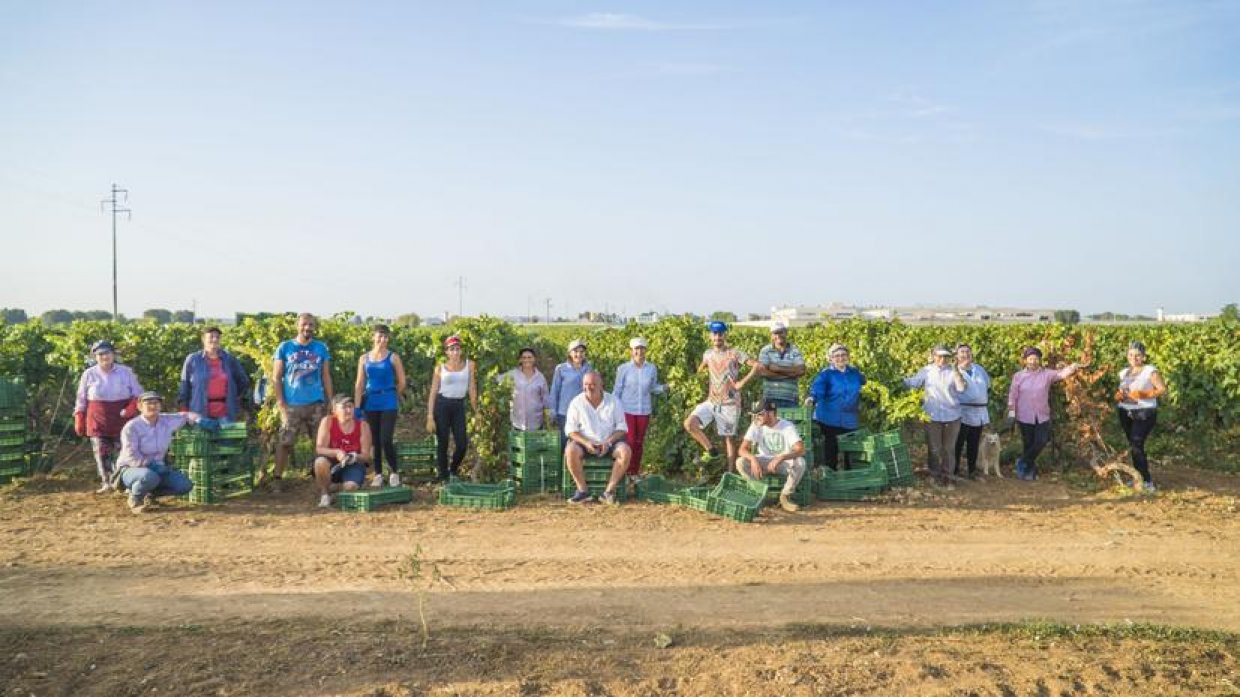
79	424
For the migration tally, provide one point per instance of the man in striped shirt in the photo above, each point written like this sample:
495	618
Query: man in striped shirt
780	364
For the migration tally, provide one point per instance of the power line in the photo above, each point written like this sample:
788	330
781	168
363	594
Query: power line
129	216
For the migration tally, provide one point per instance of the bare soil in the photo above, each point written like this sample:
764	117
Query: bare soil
269	595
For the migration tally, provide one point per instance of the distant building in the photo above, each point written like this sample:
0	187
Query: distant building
805	314
649	317
1185	317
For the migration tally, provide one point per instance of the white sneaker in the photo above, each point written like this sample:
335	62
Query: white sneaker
376	482
325	501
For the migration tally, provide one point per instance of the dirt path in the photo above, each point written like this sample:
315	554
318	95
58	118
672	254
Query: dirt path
990	551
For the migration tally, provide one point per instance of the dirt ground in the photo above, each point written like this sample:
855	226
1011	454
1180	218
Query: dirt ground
922	592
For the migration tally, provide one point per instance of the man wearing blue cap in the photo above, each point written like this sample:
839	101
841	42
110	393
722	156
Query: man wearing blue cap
723	399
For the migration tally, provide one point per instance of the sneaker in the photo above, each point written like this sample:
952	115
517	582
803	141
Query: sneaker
609	498
376	481
581	497
394	480
787	504
709	456
1149	488
104	488
136	506
1020	468
325	501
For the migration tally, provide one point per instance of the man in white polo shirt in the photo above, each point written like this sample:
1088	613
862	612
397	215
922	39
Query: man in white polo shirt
595	427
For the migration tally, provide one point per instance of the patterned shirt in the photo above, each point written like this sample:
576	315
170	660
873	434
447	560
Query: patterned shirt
725	367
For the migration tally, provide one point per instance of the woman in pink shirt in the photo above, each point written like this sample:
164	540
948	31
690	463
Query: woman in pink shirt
1029	405
107	399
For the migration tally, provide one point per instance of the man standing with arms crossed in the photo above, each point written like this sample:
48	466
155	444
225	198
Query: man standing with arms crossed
303	385
780	364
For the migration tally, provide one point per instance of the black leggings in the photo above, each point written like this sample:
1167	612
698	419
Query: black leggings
830	444
969	436
450	419
1137	426
1034	437
382	431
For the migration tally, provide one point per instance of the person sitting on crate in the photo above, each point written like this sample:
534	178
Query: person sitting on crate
779	451
106	400
142	466
342	449
596	428
212	381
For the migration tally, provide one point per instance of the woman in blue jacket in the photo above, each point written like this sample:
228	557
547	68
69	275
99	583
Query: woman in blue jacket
835	394
212	381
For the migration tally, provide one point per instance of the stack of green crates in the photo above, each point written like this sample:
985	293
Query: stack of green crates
487	496
220	463
851	485
13	430
737	498
598	473
802	496
366	500
888	448
803	418
416	460
535	461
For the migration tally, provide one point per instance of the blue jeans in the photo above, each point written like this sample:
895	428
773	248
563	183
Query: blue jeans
155	479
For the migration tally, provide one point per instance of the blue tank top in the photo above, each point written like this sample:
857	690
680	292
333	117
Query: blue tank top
380	384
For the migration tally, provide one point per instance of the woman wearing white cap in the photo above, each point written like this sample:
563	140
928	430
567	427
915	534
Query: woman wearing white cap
836	397
566	384
636	384
107	399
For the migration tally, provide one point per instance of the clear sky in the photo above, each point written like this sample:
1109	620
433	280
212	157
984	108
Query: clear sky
637	155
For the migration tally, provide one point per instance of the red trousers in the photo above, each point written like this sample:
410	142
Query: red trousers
637	438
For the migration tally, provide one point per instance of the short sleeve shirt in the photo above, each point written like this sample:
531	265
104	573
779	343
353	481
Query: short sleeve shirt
724	367
780	388
773	440
303	371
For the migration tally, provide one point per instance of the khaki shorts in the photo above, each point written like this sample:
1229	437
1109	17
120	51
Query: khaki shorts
303	418
724	416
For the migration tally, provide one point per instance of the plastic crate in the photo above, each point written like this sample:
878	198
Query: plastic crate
423	447
12	394
826	493
872	475
656	489
488	496
235	430
853	442
736	498
365	500
540	475
524	456
796	414
13	424
15	455
803	495
534	441
693	497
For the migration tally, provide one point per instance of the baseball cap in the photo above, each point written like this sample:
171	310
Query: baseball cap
453	340
342	398
102	345
763	405
779	328
576	344
718	327
942	350
835	348
636	342
150	396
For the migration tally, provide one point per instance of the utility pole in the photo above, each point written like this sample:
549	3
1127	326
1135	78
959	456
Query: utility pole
128	216
460	296
548	301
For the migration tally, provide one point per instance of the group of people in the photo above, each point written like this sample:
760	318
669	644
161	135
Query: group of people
130	436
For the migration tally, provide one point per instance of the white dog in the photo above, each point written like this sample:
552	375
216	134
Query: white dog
988	454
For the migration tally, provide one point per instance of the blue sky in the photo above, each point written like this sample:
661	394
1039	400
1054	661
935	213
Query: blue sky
687	156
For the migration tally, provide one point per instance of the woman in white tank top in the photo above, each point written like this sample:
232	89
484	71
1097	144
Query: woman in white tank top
1140	386
451	382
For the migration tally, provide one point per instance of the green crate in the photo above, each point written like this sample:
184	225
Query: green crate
422	447
17	455
523	456
534	441
235	430
18	470
656	489
803	495
596	481
736	498
796	414
542	474
693	497
16	424
853	442
12	394
829	494
489	496
365	500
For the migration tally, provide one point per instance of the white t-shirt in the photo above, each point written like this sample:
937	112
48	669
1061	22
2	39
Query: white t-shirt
773	440
595	423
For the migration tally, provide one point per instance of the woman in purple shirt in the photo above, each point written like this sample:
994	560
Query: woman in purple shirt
1029	405
144	447
107	398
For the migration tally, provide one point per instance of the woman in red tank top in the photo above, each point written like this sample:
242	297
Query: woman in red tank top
342	448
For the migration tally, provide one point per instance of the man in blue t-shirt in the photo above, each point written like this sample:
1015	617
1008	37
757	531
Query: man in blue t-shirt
303	386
